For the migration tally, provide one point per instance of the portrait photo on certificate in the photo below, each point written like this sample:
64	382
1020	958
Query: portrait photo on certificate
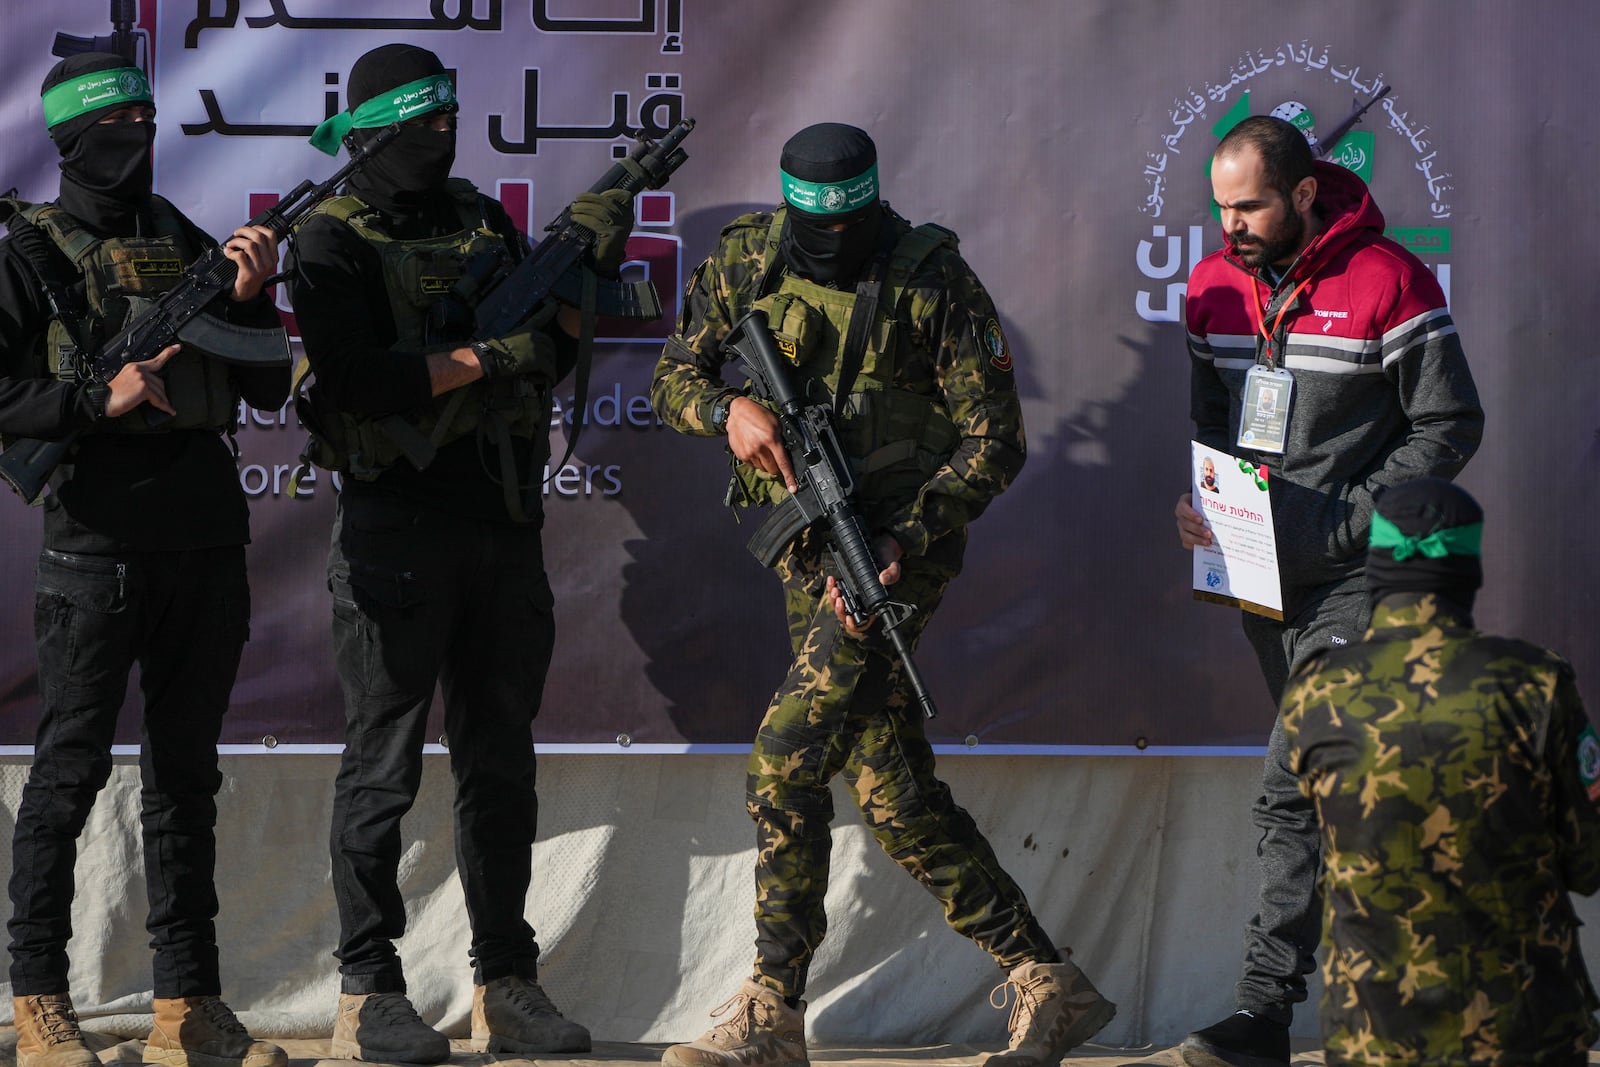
1240	566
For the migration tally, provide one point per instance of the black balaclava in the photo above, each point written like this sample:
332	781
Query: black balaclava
832	153
1425	540
106	171
411	171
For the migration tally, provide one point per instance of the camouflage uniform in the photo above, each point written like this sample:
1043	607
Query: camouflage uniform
844	707
1455	777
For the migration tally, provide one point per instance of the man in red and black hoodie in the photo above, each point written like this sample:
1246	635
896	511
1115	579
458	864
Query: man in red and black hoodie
1309	303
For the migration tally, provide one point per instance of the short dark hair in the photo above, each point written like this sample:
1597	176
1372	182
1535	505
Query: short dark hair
1285	155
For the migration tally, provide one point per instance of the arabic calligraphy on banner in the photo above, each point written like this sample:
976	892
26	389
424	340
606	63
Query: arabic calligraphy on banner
441	17
659	107
1282	71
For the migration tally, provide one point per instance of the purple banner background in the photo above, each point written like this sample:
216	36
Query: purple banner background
1066	144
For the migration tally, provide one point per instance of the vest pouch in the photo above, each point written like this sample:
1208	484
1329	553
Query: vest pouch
513	408
751	488
897	440
327	446
140	268
368	448
421	280
796	326
197	387
425	274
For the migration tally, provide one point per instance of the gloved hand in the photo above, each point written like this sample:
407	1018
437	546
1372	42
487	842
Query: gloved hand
530	353
610	216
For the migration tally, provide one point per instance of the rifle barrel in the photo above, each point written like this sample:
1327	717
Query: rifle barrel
1326	146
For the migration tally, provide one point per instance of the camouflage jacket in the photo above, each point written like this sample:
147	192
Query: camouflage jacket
1455	776
948	347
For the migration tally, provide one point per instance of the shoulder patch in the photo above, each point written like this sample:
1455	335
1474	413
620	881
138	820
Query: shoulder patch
1589	761
993	340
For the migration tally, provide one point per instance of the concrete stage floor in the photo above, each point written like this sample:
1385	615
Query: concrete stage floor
308	1052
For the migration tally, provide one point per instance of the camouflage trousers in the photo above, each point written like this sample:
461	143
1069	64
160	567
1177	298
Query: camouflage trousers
844	709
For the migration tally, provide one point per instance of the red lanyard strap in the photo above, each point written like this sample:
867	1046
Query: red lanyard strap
1283	308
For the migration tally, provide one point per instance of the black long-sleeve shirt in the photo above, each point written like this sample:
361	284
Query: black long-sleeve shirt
122	492
342	306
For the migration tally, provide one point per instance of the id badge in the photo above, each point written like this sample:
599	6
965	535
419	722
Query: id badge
1264	423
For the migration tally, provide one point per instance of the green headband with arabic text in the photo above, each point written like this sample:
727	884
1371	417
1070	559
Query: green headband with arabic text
117	87
1451	541
831	198
403	102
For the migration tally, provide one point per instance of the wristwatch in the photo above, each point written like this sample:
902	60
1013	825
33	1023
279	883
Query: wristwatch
719	416
485	356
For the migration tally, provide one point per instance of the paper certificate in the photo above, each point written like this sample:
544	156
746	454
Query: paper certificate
1240	567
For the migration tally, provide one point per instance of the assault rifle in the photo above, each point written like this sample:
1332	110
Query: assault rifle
492	299
124	40
1326	145
179	315
825	492
502	299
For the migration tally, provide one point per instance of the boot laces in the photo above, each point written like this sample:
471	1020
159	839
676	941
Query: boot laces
393	1008
1030	994
531	997
58	1022
738	1025
220	1015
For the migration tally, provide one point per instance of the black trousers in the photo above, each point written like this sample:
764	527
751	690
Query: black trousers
1282	937
183	617
422	599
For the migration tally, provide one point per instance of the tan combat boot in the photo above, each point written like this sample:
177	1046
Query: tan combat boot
386	1028
1057	1009
203	1032
48	1034
760	1031
514	1015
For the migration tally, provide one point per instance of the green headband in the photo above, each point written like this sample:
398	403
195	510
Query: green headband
831	198
117	87
1452	541
403	102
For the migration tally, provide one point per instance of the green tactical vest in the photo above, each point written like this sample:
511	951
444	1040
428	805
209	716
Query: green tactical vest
122	277
895	439
417	275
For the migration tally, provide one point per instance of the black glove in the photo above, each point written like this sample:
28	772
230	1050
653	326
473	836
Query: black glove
527	354
610	216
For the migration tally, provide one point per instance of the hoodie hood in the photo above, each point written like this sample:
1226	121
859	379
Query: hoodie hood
1346	208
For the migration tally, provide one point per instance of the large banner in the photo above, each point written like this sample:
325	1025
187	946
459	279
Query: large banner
1067	144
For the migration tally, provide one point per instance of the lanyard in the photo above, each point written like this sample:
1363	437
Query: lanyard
1283	309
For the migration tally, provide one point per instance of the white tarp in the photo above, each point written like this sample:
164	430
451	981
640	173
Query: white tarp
643	891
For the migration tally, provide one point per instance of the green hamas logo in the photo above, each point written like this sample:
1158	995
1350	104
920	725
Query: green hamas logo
1353	151
831	198
1302	76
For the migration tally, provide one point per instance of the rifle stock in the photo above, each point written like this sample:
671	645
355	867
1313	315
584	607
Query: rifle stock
825	492
124	40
